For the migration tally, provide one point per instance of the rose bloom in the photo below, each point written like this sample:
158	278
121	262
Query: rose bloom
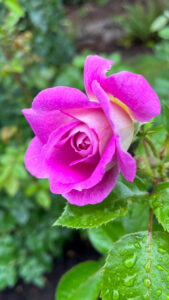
80	142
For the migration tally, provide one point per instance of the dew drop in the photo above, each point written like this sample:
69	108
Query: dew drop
161	250
160	268
147	267
158	292
153	275
137	245
129	280
129	262
160	259
147	282
115	295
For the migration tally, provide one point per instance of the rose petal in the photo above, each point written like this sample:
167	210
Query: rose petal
83	129
97	193
57	187
43	123
60	98
34	159
95	68
131	89
99	171
59	154
135	92
126	162
95	173
118	118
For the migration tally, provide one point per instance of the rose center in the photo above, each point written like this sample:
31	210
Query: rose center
81	141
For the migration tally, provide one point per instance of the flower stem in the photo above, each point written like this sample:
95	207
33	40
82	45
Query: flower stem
152	146
147	156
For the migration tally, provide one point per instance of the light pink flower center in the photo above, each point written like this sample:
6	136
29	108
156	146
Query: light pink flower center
81	141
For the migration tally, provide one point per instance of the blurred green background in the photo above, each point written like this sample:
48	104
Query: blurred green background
44	44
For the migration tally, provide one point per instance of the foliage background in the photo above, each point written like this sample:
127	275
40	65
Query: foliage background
37	50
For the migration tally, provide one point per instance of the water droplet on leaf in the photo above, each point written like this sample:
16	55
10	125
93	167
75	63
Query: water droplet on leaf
129	280
147	267
160	268
147	282
130	262
158	292
161	250
137	245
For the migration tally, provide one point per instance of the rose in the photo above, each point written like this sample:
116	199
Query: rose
81	144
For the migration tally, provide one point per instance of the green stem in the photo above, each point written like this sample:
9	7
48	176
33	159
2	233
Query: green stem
164	148
152	146
147	156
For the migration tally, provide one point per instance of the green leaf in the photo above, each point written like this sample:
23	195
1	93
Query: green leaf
157	135
43	199
159	202
137	217
12	185
104	236
162	186
164	33
133	272
88	216
80	283
8	274
159	23
14	6
11	21
113	207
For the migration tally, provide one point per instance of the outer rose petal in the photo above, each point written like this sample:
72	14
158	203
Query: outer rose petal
97	193
126	162
95	68
132	89
118	118
43	123
34	159
59	187
60	98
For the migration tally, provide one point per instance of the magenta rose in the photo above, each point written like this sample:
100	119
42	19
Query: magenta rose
80	142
